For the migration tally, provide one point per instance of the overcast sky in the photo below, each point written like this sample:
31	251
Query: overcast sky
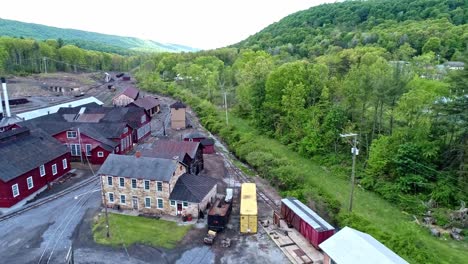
202	24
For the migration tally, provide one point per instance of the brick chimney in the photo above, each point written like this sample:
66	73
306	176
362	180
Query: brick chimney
138	154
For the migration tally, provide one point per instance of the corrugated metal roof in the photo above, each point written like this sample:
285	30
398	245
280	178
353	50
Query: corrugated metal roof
306	214
349	246
53	109
167	149
147	102
140	168
248	199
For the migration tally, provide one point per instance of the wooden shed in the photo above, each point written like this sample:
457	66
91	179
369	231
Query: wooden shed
248	208
307	222
208	146
178	115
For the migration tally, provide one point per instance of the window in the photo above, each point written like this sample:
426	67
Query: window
147	185
160	203
134	183
117	150
42	170
54	169
143	118
109	180
185	204
122	182
71	134
88	149
148	202
122	199
100	154
15	190
75	149
64	163
173	203
111	197
125	130
29	180
159	186
122	143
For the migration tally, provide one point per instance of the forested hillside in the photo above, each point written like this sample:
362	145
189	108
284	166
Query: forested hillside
85	39
375	68
403	28
26	56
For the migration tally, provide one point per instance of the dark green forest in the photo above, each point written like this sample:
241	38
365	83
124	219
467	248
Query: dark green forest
25	56
375	68
86	39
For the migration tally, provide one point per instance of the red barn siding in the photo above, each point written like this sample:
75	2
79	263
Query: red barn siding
315	237
95	159
6	193
208	149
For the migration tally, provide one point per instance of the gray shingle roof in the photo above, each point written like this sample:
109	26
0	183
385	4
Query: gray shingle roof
27	151
140	168
168	149
147	102
192	188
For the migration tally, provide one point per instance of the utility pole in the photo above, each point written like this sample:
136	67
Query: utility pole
225	107
355	152
45	64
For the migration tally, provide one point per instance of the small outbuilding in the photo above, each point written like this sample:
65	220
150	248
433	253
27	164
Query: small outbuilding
178	120
150	104
194	136
129	95
349	246
208	146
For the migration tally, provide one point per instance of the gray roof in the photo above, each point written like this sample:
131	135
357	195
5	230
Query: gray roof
352	246
140	168
195	134
22	150
306	214
178	105
192	188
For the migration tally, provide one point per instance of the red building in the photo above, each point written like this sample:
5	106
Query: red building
194	136
208	146
30	160
92	132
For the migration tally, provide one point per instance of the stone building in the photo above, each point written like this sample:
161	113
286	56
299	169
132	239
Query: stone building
154	186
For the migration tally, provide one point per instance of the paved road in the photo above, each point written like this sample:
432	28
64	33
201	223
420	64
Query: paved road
42	235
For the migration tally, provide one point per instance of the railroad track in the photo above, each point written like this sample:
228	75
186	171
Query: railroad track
233	170
49	198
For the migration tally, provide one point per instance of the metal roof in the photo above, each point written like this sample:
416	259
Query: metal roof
306	214
249	199
167	149
22	150
147	102
53	109
140	168
349	246
192	188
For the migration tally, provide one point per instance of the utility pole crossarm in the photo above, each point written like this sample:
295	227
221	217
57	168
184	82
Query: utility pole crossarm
354	151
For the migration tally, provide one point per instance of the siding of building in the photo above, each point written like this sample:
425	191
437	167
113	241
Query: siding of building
178	118
6	193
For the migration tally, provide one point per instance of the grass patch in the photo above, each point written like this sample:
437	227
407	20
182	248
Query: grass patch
129	230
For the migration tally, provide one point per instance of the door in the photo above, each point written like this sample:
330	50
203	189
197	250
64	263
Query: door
179	208
135	202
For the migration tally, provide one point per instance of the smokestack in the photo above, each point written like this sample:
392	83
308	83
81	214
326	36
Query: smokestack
5	95
1	105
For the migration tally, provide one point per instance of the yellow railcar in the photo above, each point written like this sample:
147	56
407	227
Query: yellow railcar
248	208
